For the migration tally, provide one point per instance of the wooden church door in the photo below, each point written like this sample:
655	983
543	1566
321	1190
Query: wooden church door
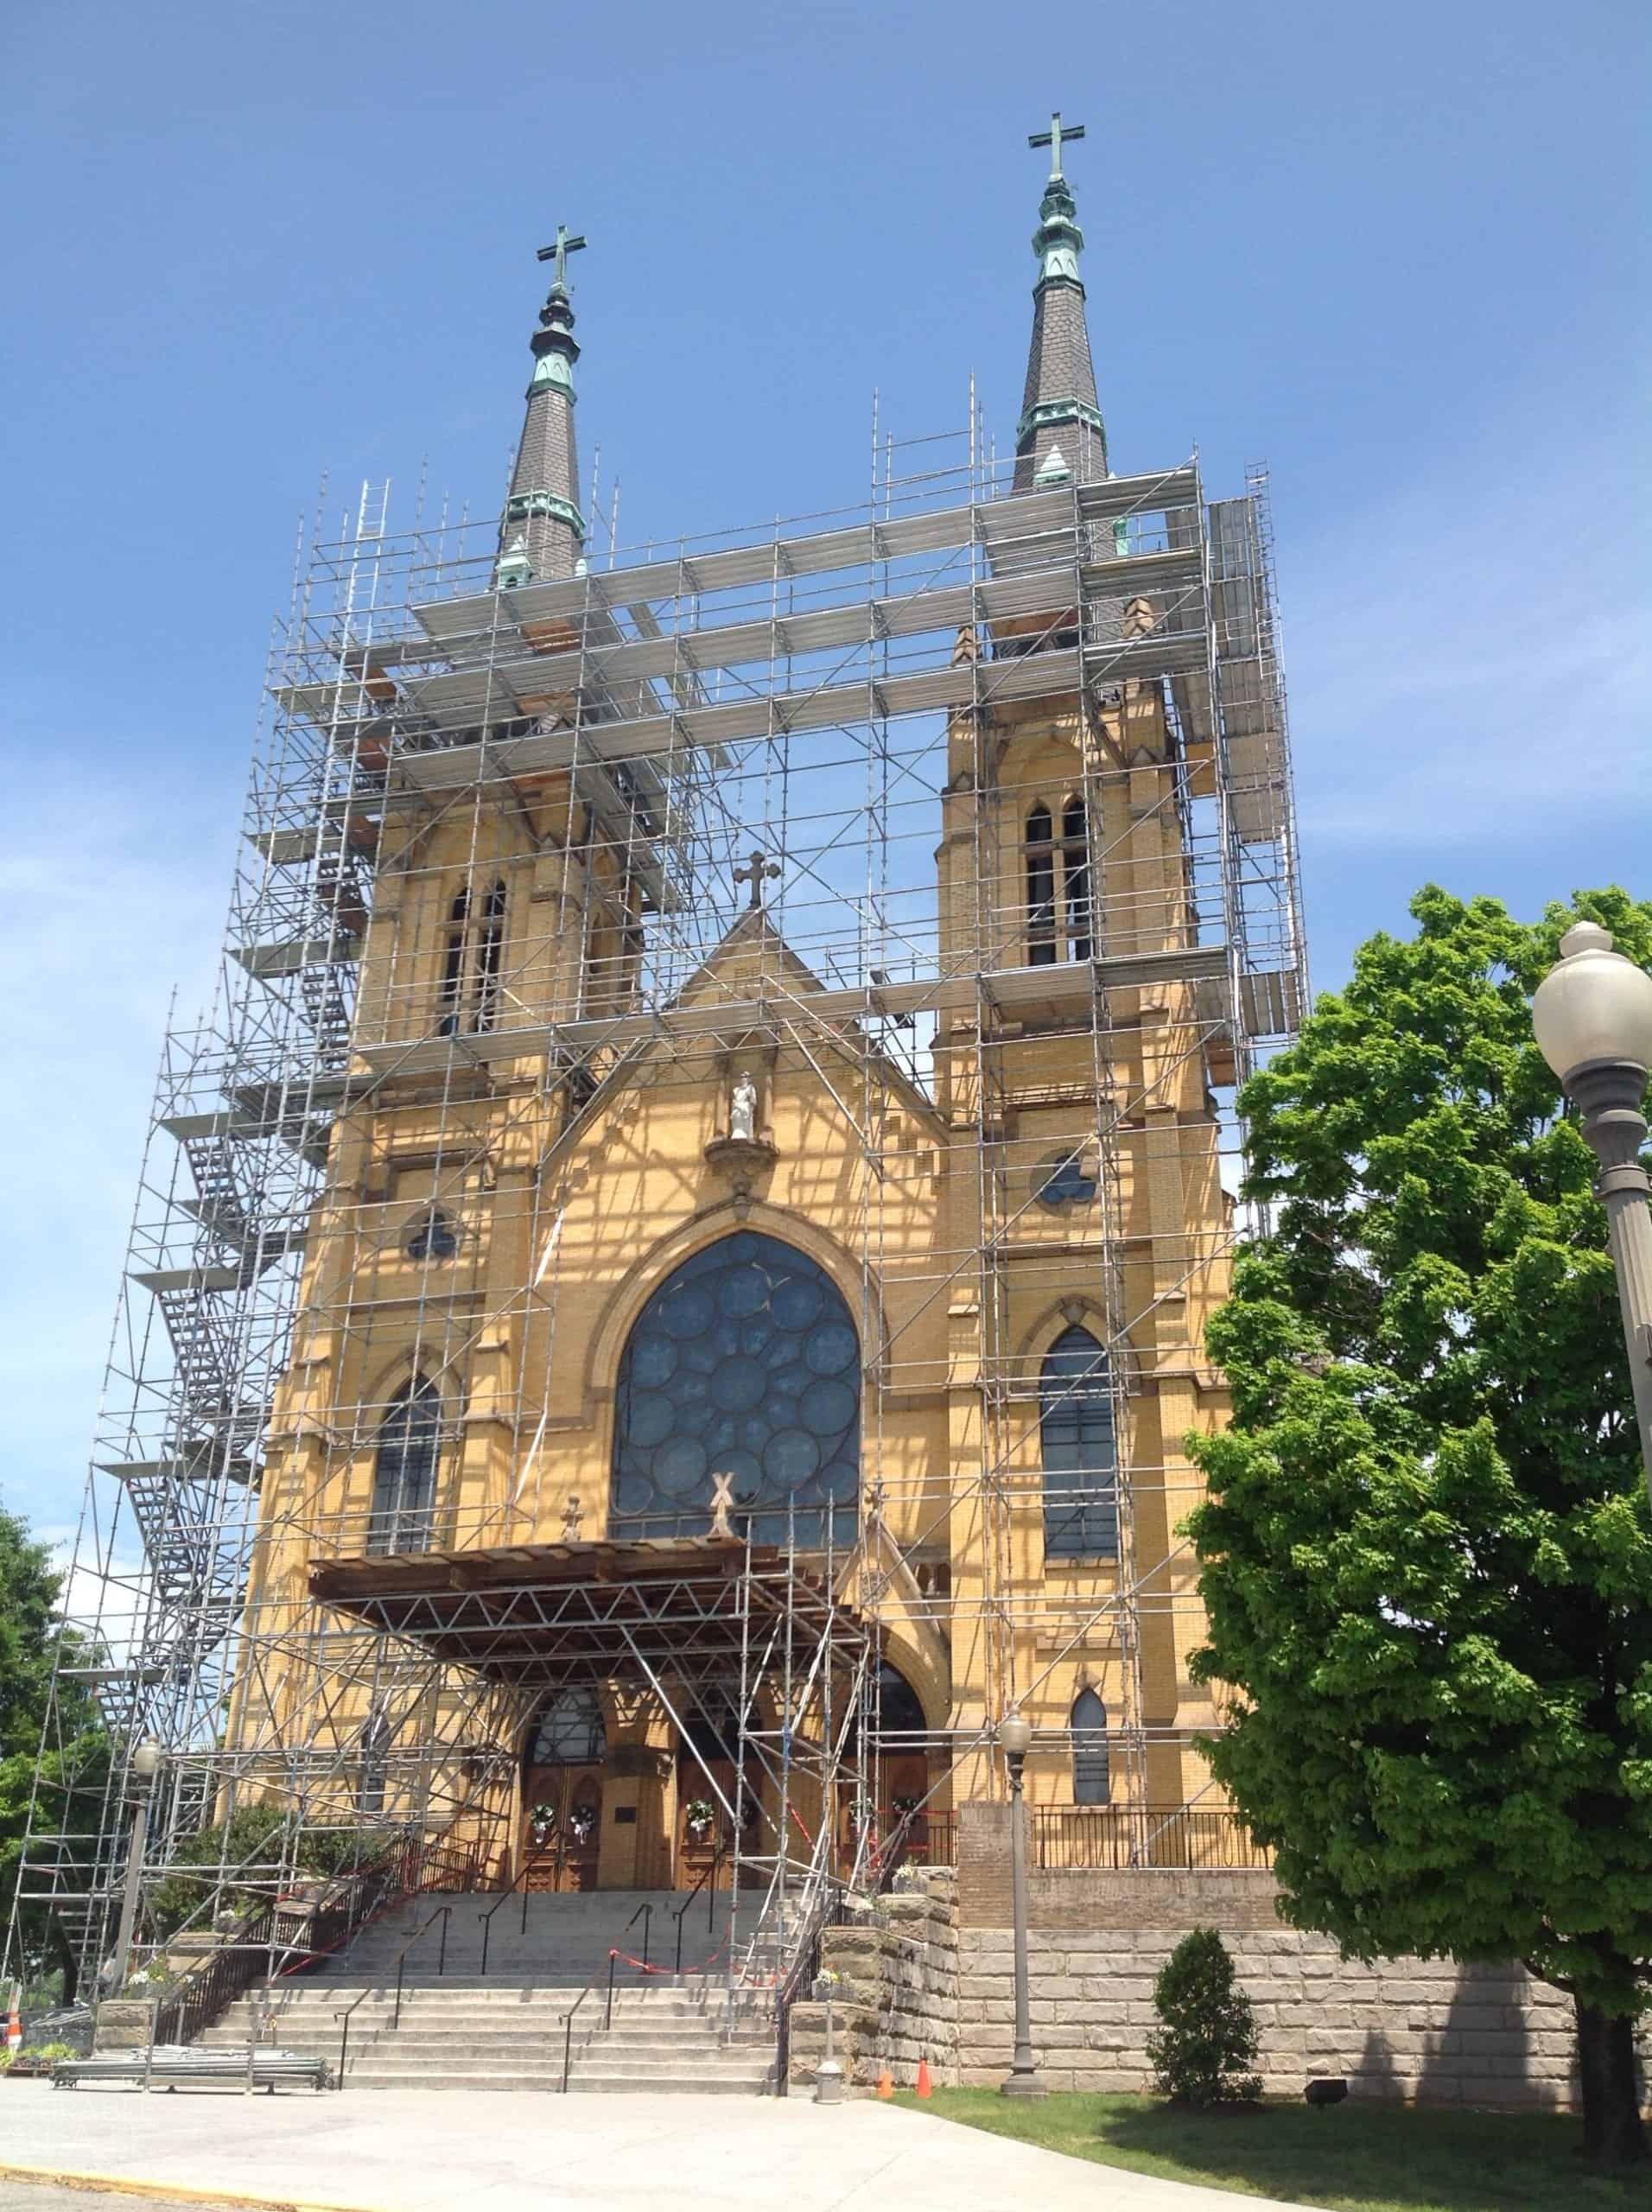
561	1793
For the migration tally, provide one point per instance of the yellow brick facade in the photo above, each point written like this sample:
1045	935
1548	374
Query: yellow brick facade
567	1206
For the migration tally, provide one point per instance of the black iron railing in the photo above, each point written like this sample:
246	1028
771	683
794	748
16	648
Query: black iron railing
827	1911
283	1938
707	1882
1140	1835
442	1914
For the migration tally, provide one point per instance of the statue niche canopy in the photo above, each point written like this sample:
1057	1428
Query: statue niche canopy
746	1364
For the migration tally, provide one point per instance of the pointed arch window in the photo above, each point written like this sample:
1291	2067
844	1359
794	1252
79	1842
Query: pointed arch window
473	963
1040	888
1075	878
374	1768
489	959
740	1380
1092	1778
1080	1449
570	1731
452	966
404	1471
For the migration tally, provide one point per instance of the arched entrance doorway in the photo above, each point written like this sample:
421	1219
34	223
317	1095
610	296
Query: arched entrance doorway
564	1764
900	1775
896	1774
709	1740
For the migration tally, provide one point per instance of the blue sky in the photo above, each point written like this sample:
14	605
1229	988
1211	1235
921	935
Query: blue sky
1397	253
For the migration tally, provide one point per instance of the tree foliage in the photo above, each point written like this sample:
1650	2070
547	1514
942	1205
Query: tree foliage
1205	2053
237	1865
60	1765
1427	1550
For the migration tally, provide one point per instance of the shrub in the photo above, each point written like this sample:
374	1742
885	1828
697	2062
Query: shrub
1205	2053
252	1847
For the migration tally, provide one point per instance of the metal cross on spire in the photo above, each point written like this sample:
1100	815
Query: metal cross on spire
564	244
1055	138
760	869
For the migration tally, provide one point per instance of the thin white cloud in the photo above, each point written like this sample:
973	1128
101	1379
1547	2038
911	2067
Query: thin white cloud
111	898
1469	660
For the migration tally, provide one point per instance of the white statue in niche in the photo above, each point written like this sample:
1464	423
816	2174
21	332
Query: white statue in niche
742	1108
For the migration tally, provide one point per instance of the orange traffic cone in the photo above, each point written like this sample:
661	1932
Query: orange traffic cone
924	2086
15	2019
885	2085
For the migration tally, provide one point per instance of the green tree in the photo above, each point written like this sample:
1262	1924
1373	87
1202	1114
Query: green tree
1427	1550
62	1765
1205	2053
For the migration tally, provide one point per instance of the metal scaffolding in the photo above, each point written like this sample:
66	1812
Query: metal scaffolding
829	695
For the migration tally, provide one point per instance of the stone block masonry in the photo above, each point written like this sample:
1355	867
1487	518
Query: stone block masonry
1423	2029
897	1997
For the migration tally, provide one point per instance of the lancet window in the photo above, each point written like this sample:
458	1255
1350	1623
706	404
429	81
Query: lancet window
1040	888
1092	1779
1060	899
404	1471
1080	1449
472	961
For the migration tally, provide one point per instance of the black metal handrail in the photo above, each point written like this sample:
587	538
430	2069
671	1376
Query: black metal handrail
711	1904
487	1918
828	1912
198	1997
443	1913
644	1912
568	2032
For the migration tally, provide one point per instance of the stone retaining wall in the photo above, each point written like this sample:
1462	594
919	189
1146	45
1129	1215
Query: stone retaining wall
1413	2028
897	2001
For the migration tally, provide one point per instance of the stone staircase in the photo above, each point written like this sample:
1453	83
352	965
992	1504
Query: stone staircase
508	2030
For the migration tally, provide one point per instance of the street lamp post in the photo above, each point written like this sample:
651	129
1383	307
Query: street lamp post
146	1764
1014	1737
1592	1017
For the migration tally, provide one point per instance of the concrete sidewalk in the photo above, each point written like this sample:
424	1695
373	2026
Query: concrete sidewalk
396	2151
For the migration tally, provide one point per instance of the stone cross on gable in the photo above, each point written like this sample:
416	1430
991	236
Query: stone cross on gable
1055	138
722	1504
564	244
758	871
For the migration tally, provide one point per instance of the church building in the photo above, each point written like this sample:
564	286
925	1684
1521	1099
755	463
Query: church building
707	1190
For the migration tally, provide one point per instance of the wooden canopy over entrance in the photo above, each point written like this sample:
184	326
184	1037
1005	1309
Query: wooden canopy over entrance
540	1616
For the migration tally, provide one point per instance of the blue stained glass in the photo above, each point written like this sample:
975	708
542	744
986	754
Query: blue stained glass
1069	1184
653	1362
739	1383
679	1464
650	1418
830	1348
743	1291
686	1312
753	1350
828	1407
795	1303
792	1456
1081	1506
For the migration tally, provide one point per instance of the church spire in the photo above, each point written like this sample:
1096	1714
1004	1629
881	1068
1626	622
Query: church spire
543	534
1060	437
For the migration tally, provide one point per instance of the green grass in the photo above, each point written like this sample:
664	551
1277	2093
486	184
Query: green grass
1352	2156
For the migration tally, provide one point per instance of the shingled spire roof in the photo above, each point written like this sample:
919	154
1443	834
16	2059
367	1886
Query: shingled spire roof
1060	435
543	534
